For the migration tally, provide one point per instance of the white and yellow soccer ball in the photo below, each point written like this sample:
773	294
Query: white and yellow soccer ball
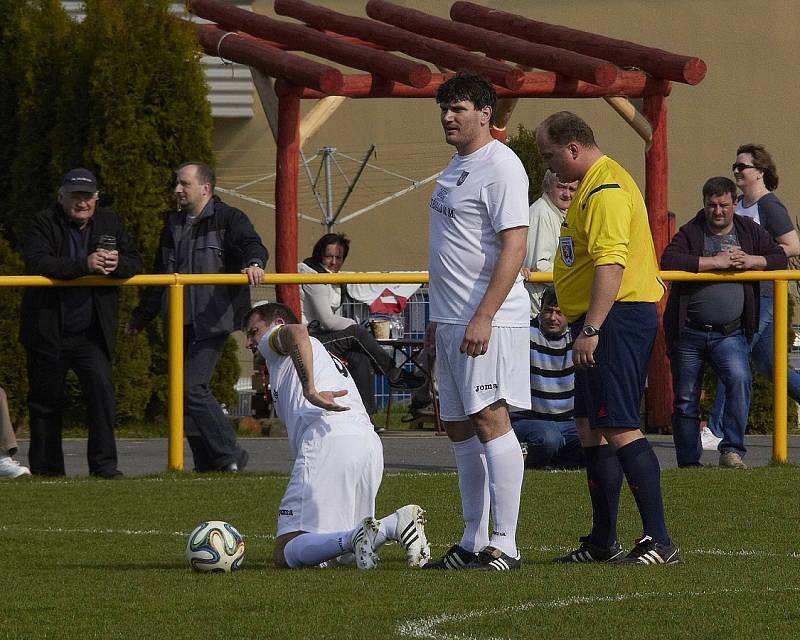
215	546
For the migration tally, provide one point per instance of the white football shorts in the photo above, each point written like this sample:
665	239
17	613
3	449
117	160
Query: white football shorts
335	478
467	385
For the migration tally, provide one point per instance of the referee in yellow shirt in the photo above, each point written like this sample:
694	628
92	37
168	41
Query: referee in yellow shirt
607	282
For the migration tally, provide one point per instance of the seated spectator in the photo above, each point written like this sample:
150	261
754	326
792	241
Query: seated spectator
321	306
545	216
548	429
9	468
714	321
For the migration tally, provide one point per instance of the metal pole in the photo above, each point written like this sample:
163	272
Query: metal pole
780	328
326	159
352	186
175	368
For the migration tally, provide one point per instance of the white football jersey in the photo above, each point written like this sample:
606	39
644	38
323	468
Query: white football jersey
292	408
476	197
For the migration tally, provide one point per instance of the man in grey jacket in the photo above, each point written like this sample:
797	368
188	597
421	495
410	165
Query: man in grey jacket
205	235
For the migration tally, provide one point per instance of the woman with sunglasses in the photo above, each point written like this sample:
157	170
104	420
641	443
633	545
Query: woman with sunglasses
756	176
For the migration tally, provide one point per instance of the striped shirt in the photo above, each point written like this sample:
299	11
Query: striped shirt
552	377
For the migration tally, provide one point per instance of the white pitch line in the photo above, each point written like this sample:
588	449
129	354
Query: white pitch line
427	627
729	553
116	532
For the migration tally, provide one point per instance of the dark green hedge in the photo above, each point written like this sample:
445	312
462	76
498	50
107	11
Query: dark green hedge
123	94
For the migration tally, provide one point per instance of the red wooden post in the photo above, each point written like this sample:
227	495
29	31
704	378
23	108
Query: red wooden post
659	386
288	158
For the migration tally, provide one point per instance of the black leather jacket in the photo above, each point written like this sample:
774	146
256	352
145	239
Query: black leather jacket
223	241
47	253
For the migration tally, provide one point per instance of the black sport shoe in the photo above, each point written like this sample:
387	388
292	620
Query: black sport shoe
589	552
456	558
407	381
648	551
492	559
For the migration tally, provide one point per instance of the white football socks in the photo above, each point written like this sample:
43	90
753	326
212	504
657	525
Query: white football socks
387	529
474	487
505	469
310	549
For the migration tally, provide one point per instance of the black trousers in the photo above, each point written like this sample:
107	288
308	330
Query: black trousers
208	430
361	351
86	354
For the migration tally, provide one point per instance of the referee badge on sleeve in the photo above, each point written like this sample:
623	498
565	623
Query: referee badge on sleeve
567	250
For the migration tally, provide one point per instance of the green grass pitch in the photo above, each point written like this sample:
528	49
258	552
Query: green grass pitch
84	558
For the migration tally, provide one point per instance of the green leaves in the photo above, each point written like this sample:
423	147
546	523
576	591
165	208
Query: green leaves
123	94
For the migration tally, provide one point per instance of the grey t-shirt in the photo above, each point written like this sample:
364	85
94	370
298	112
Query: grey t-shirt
716	302
769	212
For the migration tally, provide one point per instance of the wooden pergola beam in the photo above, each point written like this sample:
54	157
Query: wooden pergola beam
312	41
657	62
396	39
539	56
272	61
541	84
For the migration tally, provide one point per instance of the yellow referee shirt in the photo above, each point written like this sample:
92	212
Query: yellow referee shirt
605	224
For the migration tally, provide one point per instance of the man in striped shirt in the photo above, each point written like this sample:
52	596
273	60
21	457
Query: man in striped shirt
548	428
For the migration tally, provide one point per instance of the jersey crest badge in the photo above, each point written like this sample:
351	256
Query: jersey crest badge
461	178
567	250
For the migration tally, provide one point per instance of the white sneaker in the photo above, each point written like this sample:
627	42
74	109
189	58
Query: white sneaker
364	543
10	468
709	441
411	534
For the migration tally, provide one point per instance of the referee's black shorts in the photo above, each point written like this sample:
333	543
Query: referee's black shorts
609	394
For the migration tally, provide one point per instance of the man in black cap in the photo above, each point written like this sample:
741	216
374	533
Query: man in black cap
74	328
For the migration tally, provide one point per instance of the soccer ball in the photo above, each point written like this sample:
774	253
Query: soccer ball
215	546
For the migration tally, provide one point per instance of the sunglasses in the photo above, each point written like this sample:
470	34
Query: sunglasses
741	166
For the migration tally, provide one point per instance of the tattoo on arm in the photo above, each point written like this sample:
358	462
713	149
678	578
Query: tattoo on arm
299	365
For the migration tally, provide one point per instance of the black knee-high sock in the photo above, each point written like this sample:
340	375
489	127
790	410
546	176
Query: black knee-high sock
643	473
604	477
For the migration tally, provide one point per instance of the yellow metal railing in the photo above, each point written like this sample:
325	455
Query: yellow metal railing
177	281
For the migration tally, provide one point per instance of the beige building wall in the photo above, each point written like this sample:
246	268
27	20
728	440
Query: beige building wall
749	94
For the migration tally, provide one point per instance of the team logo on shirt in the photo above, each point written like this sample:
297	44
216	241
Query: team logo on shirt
461	178
567	250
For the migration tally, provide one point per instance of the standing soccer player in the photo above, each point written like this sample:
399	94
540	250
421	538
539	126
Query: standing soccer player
480	314
327	509
607	281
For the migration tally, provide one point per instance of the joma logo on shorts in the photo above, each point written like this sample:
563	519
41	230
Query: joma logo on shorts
485	387
285	512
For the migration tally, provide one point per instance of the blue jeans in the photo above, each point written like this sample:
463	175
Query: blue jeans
551	443
727	355
761	357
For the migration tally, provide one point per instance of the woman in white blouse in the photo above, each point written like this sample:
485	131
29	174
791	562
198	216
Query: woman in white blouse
321	307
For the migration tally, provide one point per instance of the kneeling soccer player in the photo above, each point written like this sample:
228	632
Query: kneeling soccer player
328	508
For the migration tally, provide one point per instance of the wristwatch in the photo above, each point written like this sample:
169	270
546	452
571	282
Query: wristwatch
589	330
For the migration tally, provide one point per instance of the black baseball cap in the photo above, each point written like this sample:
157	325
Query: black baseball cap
81	180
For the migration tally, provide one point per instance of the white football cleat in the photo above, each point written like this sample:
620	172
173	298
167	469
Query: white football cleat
411	534
364	543
10	468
